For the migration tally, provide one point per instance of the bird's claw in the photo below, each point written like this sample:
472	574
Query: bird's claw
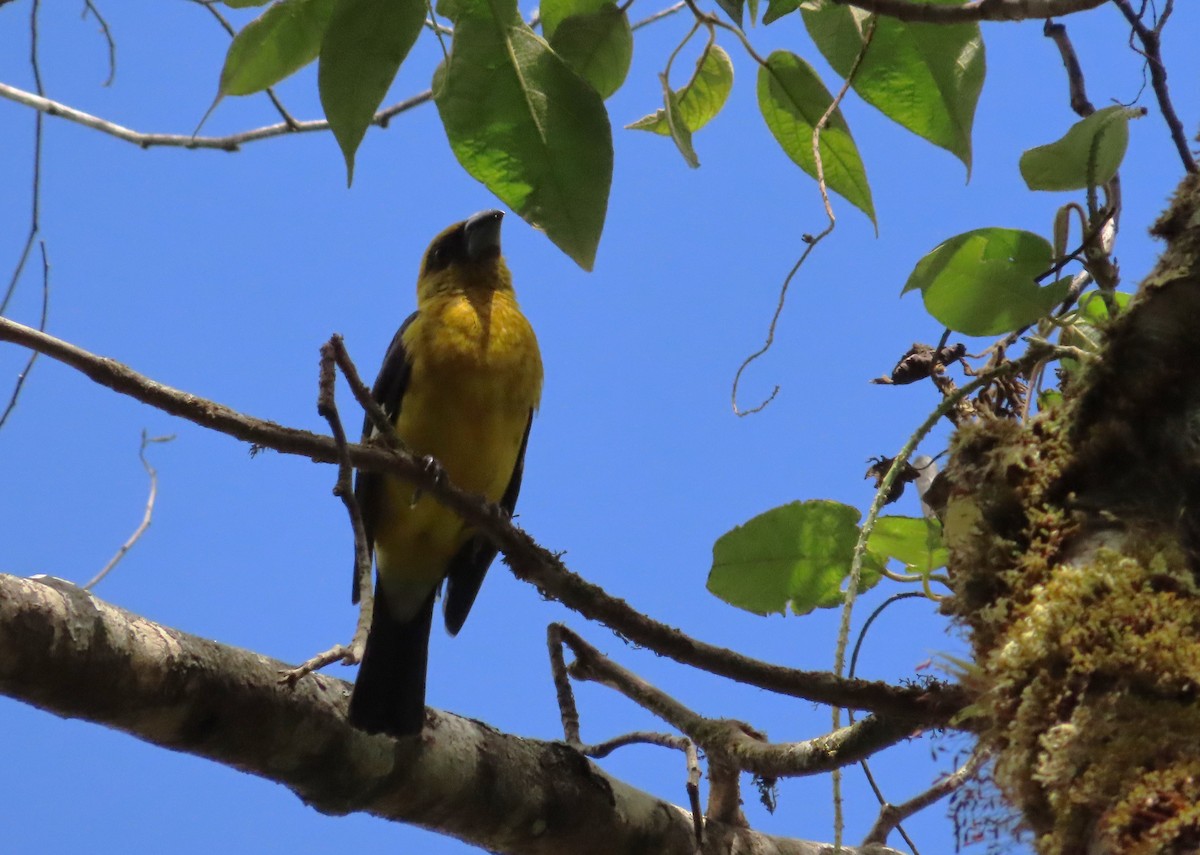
433	469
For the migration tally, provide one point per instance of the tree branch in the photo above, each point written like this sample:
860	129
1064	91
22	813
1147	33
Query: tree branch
66	652
931	704
732	741
231	142
978	10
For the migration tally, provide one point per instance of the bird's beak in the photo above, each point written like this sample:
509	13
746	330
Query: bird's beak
483	234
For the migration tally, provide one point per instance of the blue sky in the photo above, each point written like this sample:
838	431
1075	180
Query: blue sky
223	273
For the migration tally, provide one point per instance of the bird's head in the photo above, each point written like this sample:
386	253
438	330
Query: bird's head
465	256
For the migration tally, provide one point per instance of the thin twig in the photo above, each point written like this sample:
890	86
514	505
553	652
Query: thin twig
555	640
36	196
343	488
890	816
23	376
865	764
733	741
931	704
90	6
977	10
659	15
231	142
147	514
811	241
1151	39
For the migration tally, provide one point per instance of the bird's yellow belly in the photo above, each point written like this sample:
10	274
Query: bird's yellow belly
467	405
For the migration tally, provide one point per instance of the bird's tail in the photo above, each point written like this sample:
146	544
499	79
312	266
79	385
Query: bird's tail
389	694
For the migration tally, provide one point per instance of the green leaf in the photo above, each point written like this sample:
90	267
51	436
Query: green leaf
598	46
245	4
526	125
677	126
364	44
277	43
925	77
792	100
914	541
733	8
798	553
1094	310
700	100
554	12
1088	155
982	282
776	9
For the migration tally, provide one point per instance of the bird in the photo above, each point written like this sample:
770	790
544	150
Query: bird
460	382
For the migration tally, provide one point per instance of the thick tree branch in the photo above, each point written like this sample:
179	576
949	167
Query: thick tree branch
978	10
66	652
933	704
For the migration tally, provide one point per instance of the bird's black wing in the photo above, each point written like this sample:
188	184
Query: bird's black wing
471	562
388	392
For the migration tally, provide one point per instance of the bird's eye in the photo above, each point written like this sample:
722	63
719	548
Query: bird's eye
438	258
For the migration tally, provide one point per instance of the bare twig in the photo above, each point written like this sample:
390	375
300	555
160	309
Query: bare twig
933	704
810	241
890	816
570	719
1151	39
36	196
1079	99
147	515
90	6
231	142
343	488
732	741
977	10
24	375
659	15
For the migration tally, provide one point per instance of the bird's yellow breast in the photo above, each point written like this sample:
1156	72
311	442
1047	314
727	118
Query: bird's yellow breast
476	375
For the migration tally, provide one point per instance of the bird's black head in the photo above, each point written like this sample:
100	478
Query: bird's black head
473	242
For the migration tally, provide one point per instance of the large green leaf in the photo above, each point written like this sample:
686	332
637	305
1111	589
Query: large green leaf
526	125
926	77
776	9
1088	155
554	12
364	44
597	45
798	553
277	43
792	99
914	541
982	282
700	99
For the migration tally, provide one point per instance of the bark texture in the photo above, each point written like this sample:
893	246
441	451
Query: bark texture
66	652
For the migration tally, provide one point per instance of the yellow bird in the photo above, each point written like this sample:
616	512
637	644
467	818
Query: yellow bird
461	381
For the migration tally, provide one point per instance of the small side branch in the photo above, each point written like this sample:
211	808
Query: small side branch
343	488
978	10
890	816
1151	39
147	515
231	142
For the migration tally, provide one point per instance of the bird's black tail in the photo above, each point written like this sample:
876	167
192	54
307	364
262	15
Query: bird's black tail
389	694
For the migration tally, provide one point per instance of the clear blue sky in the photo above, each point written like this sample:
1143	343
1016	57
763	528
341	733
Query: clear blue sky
222	274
